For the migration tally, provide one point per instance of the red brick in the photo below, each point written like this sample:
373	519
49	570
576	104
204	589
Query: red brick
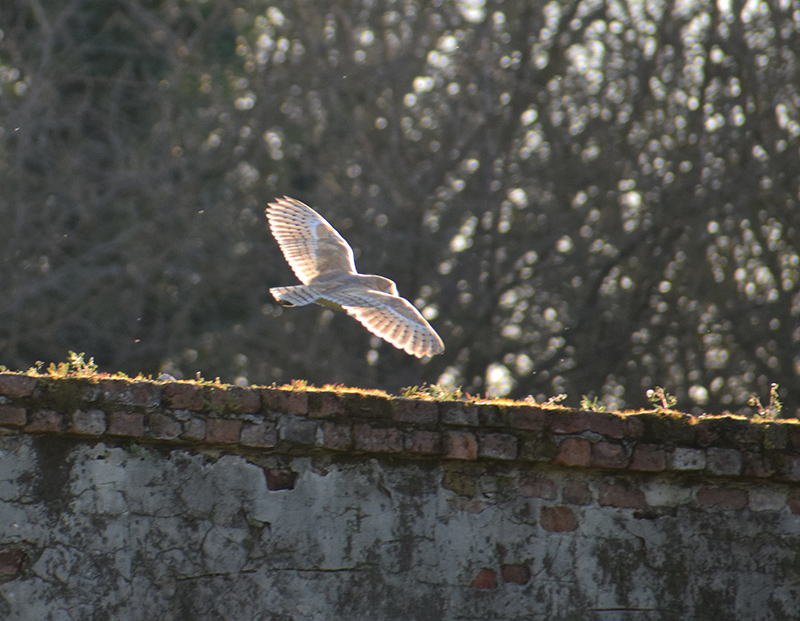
184	396
89	422
486	579
288	401
649	458
416	411
621	496
498	446
115	390
44	420
756	465
234	399
379	440
530	417
634	428
705	432
261	435
558	519
576	493
225	431
324	404
426	442
608	425
126	392
538	487
461	445
249	398
518	574
12	562
574	452
164	427
459	413
570	422
145	393
336	437
609	455
17	385
11	416
217	398
724	499
278	478
126	424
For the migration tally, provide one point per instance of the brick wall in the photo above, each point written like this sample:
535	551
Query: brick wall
361	506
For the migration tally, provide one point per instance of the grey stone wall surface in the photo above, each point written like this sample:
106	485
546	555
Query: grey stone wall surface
94	531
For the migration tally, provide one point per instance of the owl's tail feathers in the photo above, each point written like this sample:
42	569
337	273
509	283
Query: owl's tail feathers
299	295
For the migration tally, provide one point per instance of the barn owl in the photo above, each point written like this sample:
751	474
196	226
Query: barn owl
323	261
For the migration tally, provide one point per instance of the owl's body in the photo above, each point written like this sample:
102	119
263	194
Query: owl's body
323	261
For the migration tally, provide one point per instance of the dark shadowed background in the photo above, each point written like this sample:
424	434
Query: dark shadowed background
586	198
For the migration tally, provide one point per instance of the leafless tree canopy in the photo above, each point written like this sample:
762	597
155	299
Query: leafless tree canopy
596	197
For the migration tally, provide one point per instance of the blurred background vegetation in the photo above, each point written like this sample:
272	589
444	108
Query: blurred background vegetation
584	197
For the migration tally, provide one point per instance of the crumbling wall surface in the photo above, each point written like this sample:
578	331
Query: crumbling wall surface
127	527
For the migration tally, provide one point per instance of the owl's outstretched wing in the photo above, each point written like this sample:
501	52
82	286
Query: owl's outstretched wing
392	318
312	247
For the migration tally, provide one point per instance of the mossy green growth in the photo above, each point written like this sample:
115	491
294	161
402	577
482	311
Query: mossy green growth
501	485
772	410
75	366
661	398
134	449
433	391
459	482
592	405
773	436
65	394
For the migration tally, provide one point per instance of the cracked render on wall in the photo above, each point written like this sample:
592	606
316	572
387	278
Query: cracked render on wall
139	500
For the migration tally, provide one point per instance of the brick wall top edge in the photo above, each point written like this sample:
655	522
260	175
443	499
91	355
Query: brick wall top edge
15	385
345	419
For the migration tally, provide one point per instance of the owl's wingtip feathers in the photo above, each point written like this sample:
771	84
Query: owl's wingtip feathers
317	253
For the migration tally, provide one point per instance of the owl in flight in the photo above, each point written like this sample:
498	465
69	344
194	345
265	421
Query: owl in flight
323	261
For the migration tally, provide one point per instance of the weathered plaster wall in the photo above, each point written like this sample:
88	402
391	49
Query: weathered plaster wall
175	501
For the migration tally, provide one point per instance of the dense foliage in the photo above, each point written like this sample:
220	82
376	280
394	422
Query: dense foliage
584	197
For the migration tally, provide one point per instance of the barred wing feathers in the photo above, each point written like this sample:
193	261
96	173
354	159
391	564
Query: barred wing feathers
391	318
312	247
